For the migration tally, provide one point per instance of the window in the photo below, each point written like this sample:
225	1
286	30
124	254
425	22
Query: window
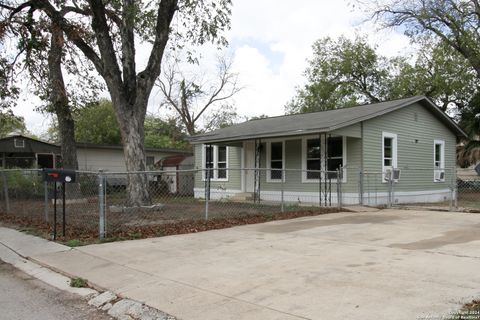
439	160
335	155
150	161
215	157
313	159
389	153
222	162
275	161
314	151
19	143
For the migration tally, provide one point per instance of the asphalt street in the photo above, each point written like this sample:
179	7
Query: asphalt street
25	298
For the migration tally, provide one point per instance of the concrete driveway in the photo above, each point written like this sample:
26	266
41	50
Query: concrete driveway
390	264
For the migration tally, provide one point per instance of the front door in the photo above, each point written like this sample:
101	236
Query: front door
249	163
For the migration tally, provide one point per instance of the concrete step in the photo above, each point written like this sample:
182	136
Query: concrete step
244	196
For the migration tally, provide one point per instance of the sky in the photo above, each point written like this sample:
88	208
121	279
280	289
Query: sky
270	42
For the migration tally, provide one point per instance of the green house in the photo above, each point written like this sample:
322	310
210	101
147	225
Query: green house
361	153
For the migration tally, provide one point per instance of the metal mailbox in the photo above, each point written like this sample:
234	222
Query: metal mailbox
59	175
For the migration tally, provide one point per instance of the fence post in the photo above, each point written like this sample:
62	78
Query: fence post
283	190
390	188
207	191
45	199
360	187
454	195
101	203
5	191
339	187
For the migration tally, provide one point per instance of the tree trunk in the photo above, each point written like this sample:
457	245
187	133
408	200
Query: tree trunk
132	129
59	100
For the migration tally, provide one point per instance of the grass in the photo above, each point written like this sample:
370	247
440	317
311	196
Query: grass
74	243
78	283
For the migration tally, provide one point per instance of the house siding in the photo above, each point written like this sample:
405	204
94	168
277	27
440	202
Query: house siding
234	182
113	160
415	159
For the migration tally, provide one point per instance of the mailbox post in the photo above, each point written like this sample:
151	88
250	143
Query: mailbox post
63	177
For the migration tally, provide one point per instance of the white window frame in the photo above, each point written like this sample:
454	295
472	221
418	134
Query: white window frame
17	145
442	160
322	156
269	158
394	165
215	163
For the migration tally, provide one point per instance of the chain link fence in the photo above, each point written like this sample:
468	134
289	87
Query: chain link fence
97	204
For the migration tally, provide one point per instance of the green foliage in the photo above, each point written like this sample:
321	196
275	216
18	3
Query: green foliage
96	123
438	72
74	243
10	123
469	152
24	184
342	73
164	133
78	283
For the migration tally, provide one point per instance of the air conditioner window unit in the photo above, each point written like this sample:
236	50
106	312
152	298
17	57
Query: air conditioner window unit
439	175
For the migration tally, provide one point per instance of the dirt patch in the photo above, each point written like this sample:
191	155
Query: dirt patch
450	237
161	228
310	224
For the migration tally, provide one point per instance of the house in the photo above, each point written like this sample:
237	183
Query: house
93	157
297	156
18	151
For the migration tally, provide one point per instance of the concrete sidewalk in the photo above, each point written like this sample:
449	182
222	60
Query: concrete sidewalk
391	264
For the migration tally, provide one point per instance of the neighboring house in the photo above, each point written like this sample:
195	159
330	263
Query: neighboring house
19	151
411	134
178	173
23	152
93	157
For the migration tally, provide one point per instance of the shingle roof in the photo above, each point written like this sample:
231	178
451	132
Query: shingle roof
316	122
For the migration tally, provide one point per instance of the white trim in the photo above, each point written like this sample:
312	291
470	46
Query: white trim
242	166
269	155
19	146
215	163
394	165
215	193
322	155
442	160
348	198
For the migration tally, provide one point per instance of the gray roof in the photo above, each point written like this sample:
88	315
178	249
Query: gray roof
317	122
82	145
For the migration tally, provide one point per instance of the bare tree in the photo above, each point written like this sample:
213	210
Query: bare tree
190	96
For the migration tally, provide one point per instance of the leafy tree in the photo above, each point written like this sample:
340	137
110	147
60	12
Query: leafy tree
469	153
96	124
438	72
42	52
345	73
117	26
10	123
191	95
161	133
342	72
455	22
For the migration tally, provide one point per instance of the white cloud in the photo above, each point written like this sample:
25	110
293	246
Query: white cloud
271	42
